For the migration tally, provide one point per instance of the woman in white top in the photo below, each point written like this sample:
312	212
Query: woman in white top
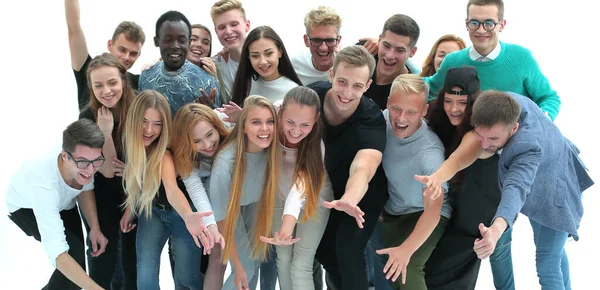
303	186
265	68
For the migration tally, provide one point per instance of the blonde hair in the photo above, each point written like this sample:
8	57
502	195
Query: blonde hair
428	64
322	16
267	199
142	176
223	6
410	84
182	142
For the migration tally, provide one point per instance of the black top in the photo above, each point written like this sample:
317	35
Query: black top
83	92
161	198
365	129
109	191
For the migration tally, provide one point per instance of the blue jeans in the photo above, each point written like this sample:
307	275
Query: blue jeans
501	263
152	235
376	262
551	259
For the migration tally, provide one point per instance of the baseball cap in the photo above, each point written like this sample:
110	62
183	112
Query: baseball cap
464	77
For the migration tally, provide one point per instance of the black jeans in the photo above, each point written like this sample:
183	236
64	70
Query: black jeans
103	268
25	219
341	251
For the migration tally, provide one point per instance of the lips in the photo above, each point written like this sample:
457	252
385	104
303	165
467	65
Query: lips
197	52
210	149
264	137
388	63
401	127
85	176
344	100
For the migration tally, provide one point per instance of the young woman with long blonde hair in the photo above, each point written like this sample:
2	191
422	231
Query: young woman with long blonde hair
158	197
242	190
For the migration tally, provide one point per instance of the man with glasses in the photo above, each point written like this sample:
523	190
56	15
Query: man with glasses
501	66
323	39
41	200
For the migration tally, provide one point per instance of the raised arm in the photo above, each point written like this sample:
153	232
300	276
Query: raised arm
77	43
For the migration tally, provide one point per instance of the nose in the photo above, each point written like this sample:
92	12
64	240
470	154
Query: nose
454	108
147	128
205	144
480	29
323	46
227	29
106	89
264	127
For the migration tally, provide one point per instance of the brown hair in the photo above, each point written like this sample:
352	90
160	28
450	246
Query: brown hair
132	31
498	3
355	56
495	107
428	67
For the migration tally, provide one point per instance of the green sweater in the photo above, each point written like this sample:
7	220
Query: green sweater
514	70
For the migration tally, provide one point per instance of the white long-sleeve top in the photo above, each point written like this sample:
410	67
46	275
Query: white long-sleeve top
196	185
39	186
289	191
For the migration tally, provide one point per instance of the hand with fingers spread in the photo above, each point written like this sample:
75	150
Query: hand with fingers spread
280	239
397	262
207	99
485	246
232	110
351	209
209	66
126	222
118	167
105	120
98	241
195	225
371	44
433	187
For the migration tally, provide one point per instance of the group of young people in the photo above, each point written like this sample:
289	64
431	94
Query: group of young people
352	160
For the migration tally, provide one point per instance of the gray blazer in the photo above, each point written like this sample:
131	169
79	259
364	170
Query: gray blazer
540	173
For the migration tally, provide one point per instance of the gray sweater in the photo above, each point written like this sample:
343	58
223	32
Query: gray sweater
422	153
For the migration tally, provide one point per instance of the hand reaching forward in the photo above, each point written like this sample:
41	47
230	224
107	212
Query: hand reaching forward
351	209
280	239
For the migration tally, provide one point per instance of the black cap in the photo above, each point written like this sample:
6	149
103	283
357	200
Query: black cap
464	77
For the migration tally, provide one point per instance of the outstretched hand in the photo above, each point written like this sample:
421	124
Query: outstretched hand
351	209
433	187
280	239
196	227
232	110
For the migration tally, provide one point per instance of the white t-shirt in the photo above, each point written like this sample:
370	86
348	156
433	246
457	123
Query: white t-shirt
273	90
227	70
39	186
305	69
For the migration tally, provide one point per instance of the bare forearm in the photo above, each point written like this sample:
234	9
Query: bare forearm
288	224
72	14
87	203
357	185
110	153
72	270
423	229
178	201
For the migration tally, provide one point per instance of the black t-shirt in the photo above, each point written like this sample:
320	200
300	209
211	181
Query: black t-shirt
109	191
365	129
161	198
83	92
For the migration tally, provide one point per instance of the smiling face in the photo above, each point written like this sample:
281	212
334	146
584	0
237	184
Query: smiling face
173	41
264	58
405	111
259	128
81	153
199	46
455	106
152	126
107	85
392	53
231	28
206	138
485	41
444	49
494	138
297	121
348	83
322	55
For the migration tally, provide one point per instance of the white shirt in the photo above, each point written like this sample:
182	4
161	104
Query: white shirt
476	56
39	186
227	70
305	69
273	90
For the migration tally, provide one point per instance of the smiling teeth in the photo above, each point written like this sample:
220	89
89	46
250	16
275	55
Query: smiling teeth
148	136
263	136
294	135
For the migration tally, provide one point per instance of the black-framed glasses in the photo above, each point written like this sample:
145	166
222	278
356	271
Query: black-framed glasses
488	25
83	164
316	42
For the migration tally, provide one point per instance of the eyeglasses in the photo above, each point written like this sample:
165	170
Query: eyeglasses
83	164
316	42
488	25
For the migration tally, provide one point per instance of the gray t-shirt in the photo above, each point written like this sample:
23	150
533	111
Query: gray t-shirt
222	178
422	154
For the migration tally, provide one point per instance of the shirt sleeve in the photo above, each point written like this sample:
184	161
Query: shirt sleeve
220	187
197	192
294	202
46	209
517	183
431	159
82	85
539	89
372	132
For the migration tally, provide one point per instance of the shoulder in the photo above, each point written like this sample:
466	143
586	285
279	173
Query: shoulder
368	113
87	113
321	87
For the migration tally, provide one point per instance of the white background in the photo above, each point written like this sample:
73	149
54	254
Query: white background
39	92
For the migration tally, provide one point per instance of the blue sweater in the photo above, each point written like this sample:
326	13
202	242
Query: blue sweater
514	70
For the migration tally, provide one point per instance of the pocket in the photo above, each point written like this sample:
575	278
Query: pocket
561	192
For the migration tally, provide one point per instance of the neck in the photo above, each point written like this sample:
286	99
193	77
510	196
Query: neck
319	68
69	180
235	54
382	79
332	114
